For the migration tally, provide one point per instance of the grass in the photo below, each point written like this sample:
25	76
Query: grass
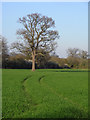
45	94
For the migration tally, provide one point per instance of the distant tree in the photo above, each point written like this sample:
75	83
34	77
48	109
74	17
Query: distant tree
84	54
5	53
36	34
4	50
73	62
73	52
84	63
77	58
15	56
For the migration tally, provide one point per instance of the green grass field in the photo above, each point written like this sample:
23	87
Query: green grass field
45	94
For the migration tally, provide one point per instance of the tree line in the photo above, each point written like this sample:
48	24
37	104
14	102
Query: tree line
12	59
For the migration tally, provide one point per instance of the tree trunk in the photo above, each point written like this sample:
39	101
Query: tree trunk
33	60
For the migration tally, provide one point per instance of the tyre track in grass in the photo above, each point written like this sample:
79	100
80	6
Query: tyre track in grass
30	102
24	80
41	78
61	96
28	99
32	105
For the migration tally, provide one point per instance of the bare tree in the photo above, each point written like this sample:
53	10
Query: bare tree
4	53
36	34
4	48
84	54
73	52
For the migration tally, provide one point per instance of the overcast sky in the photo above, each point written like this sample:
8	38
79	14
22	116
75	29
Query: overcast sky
71	19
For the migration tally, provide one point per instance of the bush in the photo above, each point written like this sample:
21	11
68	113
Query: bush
17	64
52	65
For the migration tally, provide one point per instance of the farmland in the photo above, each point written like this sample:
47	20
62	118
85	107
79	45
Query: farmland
44	93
